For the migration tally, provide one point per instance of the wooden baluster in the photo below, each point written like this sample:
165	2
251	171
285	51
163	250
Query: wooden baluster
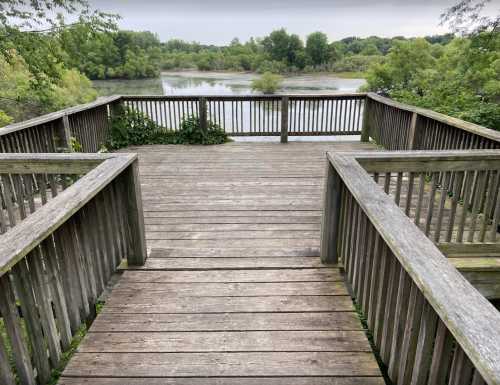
461	368
410	339
24	291
403	295
284	119
57	292
43	296
425	344
6	375
69	277
441	356
12	322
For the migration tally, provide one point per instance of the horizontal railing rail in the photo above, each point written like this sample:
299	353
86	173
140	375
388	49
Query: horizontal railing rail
391	124
398	126
428	322
56	262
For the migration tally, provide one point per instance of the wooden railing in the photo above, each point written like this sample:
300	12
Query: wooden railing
428	323
252	115
87	123
397	126
393	125
57	261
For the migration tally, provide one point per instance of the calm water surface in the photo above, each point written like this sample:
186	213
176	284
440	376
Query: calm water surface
222	83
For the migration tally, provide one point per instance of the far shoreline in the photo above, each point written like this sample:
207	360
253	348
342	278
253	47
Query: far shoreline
339	75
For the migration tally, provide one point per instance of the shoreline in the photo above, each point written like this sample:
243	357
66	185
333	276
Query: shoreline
338	75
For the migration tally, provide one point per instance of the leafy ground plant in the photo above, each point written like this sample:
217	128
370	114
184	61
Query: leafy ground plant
133	128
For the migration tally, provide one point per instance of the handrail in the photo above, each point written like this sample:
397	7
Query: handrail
365	229
458	123
397	126
58	114
21	239
393	125
56	262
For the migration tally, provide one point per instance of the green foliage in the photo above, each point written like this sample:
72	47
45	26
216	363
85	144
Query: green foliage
24	95
75	145
355	63
114	54
268	83
317	48
133	128
5	119
191	133
281	52
461	79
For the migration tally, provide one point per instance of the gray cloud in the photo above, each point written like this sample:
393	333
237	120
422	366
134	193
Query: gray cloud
218	21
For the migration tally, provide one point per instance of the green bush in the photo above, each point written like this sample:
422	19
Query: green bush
191	132
133	128
268	83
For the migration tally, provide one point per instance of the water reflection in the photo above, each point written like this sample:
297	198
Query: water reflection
214	83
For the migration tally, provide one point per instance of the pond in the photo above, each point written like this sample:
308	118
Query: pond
223	83
227	83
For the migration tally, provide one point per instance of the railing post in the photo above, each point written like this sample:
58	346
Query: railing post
365	129
64	133
203	114
412	132
331	216
138	253
284	119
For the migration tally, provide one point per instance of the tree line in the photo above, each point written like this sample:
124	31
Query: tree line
48	69
281	52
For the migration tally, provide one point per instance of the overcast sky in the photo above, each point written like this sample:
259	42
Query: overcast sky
218	21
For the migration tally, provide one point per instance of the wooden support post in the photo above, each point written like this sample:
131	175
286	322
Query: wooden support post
365	129
284	119
412	133
203	114
64	134
137	255
330	223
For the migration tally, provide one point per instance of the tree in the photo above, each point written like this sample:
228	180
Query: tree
467	18
281	46
462	80
317	48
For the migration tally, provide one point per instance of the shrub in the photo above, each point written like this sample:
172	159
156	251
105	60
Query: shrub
268	83
4	119
133	128
191	132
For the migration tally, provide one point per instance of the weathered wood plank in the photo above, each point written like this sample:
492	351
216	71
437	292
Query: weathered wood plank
222	364
225	381
232	304
281	275
239	341
116	322
231	263
146	291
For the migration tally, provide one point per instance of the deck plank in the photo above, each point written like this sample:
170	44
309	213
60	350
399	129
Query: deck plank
233	291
